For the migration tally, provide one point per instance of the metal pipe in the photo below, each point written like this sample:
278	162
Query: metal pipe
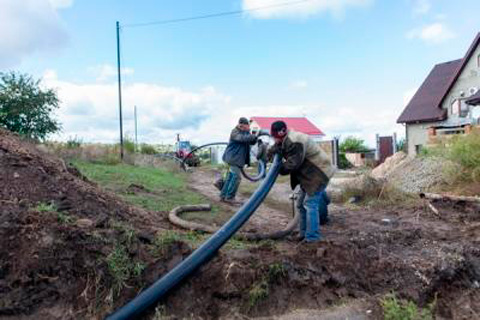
200	256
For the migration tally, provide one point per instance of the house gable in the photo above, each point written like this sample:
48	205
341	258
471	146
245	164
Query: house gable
434	97
467	81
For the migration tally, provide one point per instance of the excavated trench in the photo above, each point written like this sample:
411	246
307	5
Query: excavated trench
51	268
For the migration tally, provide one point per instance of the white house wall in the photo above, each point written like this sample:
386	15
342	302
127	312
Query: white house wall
469	78
417	134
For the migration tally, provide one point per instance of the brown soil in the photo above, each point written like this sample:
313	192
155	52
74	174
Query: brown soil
55	270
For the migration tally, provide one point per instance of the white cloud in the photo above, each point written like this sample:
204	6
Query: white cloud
90	111
105	72
29	26
291	9
421	7
434	33
299	84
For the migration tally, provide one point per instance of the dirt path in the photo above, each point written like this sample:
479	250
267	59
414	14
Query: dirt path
265	219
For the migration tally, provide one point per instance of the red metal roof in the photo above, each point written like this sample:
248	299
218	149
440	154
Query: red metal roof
300	124
426	104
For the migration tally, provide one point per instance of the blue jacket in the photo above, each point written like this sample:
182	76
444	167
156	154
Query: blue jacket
238	149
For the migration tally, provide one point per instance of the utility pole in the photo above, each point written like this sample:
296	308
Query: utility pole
136	137
119	90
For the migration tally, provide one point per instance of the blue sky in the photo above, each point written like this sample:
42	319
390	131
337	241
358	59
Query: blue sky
349	65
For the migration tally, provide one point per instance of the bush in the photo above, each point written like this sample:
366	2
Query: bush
147	149
128	145
73	143
463	153
352	144
394	309
343	162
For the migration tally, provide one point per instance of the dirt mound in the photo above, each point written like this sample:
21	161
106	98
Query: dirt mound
413	175
56	231
72	251
386	168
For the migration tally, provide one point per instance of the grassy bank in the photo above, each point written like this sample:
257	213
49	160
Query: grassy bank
150	188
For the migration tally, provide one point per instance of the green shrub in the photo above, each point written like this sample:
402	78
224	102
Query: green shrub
394	309
73	143
46	207
147	149
122	267
463	153
352	144
128	145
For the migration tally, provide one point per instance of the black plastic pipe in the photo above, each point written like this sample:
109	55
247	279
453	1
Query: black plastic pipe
200	256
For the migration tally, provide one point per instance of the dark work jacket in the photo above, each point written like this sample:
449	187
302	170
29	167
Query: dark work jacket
307	164
238	149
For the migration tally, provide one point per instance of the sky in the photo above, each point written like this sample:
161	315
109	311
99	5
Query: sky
350	66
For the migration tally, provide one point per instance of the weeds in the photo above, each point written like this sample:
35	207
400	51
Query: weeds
463	152
258	292
394	309
46	207
276	271
147	149
261	289
122	267
73	143
127	231
165	239
65	218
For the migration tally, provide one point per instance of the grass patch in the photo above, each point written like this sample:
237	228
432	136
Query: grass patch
261	289
258	292
395	309
165	239
164	190
122	267
65	218
46	207
462	170
128	232
216	217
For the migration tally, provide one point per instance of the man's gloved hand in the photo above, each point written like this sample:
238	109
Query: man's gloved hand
272	151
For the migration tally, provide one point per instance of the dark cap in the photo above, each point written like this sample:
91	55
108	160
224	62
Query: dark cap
278	129
243	120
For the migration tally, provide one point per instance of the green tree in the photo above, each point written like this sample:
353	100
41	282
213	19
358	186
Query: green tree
26	107
352	144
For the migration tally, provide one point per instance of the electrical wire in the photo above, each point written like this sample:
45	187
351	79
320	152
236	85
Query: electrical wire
213	15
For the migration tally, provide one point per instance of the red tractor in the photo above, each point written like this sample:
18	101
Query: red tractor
182	151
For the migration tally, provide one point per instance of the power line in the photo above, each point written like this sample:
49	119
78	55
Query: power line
213	15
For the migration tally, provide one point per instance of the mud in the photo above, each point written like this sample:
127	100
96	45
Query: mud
53	268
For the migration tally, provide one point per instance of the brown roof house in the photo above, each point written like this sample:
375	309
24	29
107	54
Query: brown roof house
443	103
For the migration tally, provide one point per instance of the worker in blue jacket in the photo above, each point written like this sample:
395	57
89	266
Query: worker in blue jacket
237	155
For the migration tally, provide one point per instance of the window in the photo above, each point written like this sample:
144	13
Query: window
455	107
478	61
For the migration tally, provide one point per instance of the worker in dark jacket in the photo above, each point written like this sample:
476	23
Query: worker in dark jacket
262	156
308	166
237	155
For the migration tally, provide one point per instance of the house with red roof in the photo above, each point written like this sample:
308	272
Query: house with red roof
299	124
445	103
